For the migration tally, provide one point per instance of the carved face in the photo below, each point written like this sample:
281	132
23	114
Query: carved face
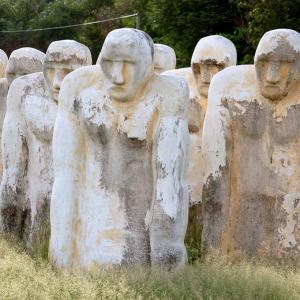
126	62
12	75
274	73
24	61
63	57
203	74
277	62
211	55
54	74
20	67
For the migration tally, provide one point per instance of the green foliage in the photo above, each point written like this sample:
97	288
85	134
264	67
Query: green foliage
194	233
21	15
24	277
181	24
178	23
272	14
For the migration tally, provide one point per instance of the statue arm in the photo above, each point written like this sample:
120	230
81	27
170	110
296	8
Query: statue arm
170	203
67	162
15	159
216	145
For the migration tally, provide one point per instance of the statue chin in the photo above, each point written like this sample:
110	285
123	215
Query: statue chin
273	93
121	96
122	93
204	90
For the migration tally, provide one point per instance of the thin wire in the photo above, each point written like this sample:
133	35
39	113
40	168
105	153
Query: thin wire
69	26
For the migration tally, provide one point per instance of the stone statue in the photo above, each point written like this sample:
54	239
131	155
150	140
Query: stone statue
24	61
3	94
27	144
211	55
164	58
21	62
3	63
251	141
120	147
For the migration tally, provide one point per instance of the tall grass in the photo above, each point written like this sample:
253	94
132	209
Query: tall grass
25	277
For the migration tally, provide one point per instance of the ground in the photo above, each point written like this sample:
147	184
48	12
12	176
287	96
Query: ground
23	276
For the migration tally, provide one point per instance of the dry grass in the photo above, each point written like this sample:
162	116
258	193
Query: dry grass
24	277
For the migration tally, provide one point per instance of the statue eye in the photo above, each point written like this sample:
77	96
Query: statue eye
106	62
196	68
129	62
106	65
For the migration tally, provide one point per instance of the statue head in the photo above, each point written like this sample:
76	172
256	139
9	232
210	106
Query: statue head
24	61
277	62
164	58
3	63
126	60
212	54
63	57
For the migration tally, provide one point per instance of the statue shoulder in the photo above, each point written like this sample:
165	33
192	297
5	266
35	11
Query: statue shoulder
188	76
23	86
186	73
237	83
79	80
174	93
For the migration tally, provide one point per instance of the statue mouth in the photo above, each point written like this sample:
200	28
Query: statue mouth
272	87
205	84
117	88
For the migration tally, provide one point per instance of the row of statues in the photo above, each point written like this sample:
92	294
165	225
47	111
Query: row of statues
103	163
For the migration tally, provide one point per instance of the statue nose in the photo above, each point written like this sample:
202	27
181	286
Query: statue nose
205	74
273	74
58	77
117	73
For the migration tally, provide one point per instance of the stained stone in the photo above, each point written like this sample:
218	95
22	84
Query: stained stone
164	58
24	61
251	141
120	148
27	141
211	55
3	95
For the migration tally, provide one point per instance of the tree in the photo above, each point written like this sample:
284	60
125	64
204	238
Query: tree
178	23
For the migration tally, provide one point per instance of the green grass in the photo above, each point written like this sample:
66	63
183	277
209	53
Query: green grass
25	277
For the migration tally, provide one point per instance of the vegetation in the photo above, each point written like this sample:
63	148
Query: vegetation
25	277
179	23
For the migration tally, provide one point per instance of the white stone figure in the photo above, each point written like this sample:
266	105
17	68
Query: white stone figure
120	147
251	141
3	63
24	61
21	62
27	144
164	58
3	94
211	55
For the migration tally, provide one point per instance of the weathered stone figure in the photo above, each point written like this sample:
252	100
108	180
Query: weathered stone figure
211	55
24	61
3	63
27	139
3	94
164	58
21	62
120	145
251	144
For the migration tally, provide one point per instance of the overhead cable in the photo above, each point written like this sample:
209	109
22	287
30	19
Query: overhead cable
73	25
